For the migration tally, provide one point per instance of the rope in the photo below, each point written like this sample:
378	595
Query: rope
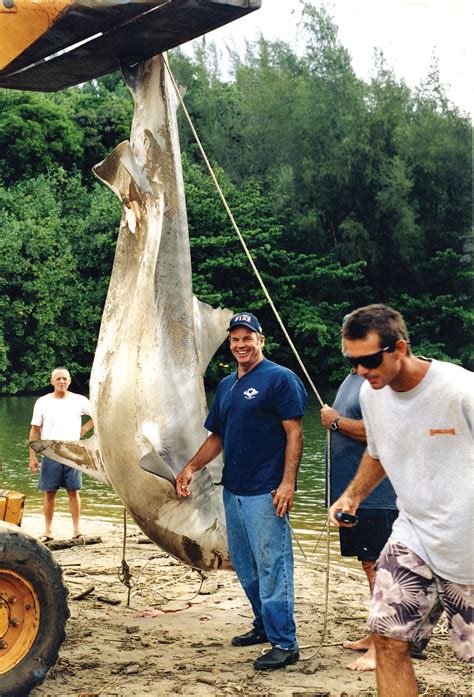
239	235
327	570
202	578
124	573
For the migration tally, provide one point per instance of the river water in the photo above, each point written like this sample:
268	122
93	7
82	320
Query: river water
98	501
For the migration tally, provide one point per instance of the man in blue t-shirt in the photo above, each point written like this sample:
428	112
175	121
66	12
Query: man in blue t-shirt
378	511
256	419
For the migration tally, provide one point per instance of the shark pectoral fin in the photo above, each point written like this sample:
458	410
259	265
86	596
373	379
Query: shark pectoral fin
210	329
152	462
121	173
82	455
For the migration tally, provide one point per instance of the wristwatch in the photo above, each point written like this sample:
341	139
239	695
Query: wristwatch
335	424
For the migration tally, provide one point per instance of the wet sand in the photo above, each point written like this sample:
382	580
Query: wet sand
174	637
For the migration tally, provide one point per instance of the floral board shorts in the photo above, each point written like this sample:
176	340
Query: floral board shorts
408	600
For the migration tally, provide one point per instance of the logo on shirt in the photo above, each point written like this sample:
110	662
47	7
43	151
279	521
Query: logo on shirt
250	393
442	431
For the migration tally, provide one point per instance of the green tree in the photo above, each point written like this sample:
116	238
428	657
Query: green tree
36	136
346	193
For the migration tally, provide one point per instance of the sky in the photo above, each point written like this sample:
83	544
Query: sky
409	32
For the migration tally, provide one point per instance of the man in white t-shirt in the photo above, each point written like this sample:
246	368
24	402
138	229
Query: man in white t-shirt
419	417
58	416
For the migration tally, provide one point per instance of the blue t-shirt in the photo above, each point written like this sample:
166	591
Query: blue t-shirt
346	453
247	413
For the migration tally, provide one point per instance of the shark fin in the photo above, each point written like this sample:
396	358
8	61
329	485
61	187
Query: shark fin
121	173
82	455
210	330
119	169
202	485
182	89
153	463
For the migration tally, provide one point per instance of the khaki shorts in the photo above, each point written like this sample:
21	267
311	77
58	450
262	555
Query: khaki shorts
408	600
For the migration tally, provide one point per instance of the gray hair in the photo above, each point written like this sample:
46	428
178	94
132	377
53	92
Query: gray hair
59	369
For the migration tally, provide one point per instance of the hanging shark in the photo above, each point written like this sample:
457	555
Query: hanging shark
156	340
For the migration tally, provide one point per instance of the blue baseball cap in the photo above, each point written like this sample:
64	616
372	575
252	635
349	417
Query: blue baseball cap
245	319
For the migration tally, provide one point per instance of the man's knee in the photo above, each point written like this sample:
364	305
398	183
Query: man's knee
73	493
386	646
368	565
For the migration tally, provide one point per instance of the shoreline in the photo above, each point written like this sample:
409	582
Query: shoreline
174	638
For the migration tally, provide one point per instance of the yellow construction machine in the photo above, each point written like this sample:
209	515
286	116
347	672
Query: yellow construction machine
33	603
46	45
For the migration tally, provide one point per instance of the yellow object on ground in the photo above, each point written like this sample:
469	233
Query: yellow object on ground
12	505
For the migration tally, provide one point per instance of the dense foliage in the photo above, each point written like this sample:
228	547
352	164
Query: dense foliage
346	193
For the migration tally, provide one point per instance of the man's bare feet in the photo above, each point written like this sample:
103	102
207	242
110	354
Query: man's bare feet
360	645
365	662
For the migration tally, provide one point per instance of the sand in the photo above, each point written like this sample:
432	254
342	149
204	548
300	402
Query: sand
174	637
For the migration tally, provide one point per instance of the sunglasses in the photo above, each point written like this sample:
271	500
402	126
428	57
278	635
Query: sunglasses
372	360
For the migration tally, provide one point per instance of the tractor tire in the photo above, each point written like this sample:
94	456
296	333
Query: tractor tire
33	611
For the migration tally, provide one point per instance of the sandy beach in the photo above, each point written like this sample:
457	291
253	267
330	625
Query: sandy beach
174	636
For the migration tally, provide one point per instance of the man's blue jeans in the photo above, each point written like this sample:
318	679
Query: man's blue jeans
262	556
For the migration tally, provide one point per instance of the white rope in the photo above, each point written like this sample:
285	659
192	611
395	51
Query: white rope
239	235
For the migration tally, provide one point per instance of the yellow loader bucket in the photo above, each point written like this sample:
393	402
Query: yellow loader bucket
50	44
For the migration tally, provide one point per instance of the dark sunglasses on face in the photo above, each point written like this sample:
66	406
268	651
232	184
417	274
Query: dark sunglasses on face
372	360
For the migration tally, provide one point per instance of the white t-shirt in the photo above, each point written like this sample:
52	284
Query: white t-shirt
423	438
60	419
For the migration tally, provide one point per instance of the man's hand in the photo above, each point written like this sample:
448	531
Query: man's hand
283	496
351	428
345	503
35	434
328	414
182	481
283	499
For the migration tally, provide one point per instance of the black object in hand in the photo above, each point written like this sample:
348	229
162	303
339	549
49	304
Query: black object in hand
348	518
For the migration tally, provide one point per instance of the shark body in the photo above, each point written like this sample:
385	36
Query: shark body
155	342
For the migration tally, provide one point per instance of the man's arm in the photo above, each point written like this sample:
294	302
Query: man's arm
89	425
35	434
210	449
369	474
283	497
352	428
